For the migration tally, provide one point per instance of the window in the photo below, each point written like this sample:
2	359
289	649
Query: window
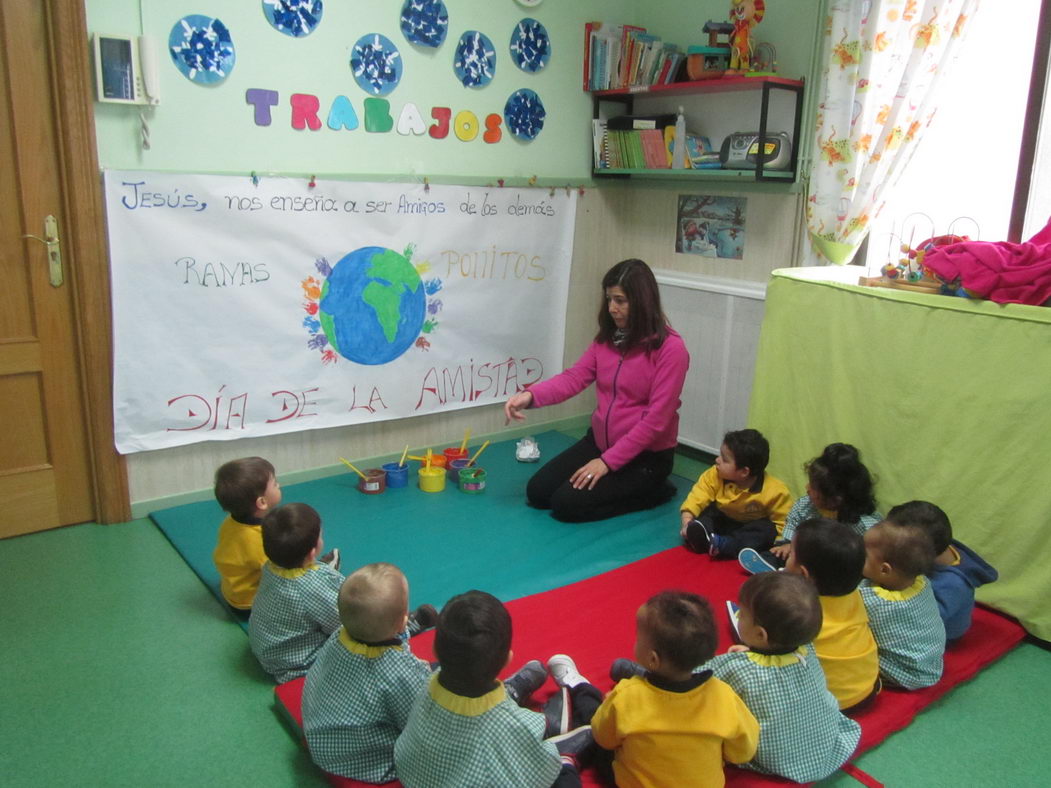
962	177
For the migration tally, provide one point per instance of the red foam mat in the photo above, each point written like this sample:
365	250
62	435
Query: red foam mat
594	622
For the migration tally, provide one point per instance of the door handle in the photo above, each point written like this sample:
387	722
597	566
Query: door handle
54	252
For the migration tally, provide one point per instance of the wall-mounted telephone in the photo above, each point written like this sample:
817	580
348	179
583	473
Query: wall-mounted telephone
126	69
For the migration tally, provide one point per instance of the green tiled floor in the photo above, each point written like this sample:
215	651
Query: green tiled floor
121	669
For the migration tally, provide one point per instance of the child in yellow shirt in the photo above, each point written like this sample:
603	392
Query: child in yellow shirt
735	504
247	489
671	725
832	556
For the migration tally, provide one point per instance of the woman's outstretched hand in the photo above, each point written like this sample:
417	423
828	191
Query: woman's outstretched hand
515	404
588	475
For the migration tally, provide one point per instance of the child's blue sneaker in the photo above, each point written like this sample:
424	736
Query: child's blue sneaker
753	562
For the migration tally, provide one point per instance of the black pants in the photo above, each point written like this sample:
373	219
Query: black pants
641	484
757	534
585	700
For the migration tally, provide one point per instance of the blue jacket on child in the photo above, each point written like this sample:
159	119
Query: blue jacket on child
954	586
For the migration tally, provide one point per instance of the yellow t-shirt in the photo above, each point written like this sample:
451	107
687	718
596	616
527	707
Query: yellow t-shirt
846	648
663	738
771	500
239	557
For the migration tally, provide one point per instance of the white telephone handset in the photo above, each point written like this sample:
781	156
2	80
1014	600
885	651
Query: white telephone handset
151	81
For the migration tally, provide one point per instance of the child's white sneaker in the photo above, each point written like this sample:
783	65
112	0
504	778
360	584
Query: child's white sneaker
564	671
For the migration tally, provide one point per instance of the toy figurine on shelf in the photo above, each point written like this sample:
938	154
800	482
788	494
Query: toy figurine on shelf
744	14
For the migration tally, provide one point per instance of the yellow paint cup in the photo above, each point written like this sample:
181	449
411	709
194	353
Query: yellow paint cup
432	479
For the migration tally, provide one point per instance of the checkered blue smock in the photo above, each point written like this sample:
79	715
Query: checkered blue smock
802	733
909	632
804	509
293	614
356	700
452	741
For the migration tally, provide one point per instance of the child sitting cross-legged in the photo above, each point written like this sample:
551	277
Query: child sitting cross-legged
903	612
295	608
467	730
957	570
735	504
803	735
832	556
667	722
359	691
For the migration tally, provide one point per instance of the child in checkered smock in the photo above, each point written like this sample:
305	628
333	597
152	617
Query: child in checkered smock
295	608
802	733
359	691
903	612
465	730
839	487
957	569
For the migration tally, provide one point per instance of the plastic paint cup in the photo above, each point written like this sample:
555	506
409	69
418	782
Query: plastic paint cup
437	461
472	480
432	479
397	474
374	483
454	453
455	467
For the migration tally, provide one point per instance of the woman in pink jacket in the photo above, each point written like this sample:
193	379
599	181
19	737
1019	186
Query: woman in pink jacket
638	364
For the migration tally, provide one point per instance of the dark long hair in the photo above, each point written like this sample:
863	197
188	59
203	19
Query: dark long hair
647	326
839	474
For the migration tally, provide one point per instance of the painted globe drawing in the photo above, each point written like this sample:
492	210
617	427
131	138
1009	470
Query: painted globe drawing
372	305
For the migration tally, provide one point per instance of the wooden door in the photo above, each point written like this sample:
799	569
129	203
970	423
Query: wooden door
45	460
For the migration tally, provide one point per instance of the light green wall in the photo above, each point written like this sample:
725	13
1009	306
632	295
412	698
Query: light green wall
202	128
211	128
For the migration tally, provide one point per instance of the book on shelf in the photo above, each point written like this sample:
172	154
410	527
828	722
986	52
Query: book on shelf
599	130
618	57
627	49
623	122
653	147
699	153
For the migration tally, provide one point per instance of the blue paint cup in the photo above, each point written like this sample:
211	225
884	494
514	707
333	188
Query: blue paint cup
397	475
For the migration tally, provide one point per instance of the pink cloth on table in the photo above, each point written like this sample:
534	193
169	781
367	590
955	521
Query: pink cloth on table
1004	272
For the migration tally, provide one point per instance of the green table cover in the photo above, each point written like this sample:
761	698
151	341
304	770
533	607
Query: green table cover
949	400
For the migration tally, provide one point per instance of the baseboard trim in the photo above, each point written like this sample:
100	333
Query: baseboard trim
571	424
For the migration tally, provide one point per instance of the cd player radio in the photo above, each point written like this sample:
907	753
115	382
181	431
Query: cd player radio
740	151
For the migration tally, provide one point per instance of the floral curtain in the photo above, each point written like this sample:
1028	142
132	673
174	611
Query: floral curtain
882	63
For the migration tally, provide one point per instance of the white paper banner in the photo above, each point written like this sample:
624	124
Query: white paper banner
246	309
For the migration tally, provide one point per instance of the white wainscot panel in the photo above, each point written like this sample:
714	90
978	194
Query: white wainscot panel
719	319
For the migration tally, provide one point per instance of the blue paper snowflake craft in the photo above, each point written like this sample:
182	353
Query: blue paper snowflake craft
296	18
530	46
202	49
475	60
376	64
524	114
424	22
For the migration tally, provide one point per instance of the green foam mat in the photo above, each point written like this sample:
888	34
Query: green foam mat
450	541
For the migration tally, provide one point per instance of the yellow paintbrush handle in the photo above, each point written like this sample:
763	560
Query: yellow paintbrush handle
351	466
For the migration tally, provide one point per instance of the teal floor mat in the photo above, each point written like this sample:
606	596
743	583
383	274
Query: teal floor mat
450	541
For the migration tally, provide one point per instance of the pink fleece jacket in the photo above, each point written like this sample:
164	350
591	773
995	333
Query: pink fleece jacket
638	396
